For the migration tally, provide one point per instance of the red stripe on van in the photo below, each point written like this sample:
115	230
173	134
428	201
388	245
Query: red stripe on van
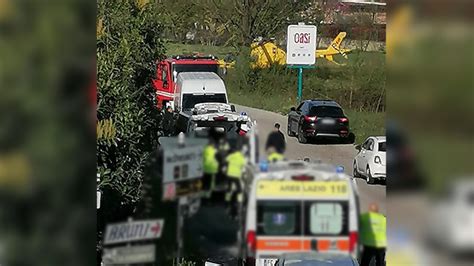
279	244
295	244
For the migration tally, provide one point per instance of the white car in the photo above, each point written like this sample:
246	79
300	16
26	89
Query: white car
370	161
451	223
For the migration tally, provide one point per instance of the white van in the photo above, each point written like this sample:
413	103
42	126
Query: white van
198	87
297	206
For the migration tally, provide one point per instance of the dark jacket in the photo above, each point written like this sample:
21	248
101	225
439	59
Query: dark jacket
168	123
276	139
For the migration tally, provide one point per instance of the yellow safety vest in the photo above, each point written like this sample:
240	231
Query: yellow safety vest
373	230
235	163
275	156
211	165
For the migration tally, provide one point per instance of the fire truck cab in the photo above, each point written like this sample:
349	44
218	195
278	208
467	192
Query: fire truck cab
168	69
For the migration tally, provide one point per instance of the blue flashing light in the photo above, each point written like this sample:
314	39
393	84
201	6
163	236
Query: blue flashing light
263	165
340	169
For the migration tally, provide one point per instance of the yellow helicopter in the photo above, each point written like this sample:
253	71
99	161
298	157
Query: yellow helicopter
334	49
266	53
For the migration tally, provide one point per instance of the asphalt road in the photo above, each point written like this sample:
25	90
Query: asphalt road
214	234
340	154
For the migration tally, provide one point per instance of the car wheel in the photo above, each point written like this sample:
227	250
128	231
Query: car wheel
369	178
345	140
290	133
351	138
301	137
355	173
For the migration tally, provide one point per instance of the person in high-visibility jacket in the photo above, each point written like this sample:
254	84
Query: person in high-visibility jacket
236	162
274	156
210	166
373	236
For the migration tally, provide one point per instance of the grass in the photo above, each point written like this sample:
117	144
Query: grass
274	89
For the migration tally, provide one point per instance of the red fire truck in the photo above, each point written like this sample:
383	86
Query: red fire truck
167	72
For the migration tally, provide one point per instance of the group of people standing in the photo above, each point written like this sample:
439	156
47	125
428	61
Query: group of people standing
224	163
230	167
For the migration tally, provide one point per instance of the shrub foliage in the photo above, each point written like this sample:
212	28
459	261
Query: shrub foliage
127	48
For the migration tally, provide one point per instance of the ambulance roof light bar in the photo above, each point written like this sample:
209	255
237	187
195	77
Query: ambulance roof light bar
302	178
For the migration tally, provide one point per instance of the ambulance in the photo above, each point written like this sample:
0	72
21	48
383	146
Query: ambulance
298	206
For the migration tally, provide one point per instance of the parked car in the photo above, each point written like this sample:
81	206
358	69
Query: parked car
316	259
402	161
370	161
318	118
451	225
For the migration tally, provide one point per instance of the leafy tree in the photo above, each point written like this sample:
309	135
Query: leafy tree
249	19
126	52
47	170
240	21
178	17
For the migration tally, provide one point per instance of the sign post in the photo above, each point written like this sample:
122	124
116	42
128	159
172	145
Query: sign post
301	50
179	226
181	174
182	166
129	255
300	84
99	193
131	231
127	232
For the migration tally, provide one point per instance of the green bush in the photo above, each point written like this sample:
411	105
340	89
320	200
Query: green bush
126	52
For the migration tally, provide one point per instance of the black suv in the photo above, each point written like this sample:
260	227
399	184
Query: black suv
318	118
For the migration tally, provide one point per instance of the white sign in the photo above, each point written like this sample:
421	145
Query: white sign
98	199
133	231
129	255
207	263
181	164
266	262
301	45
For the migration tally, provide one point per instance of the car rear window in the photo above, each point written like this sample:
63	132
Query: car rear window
190	100
382	146
326	218
326	111
322	218
278	218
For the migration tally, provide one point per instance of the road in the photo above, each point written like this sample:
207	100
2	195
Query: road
216	233
340	154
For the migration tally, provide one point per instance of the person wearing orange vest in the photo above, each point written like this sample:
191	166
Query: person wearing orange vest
373	236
